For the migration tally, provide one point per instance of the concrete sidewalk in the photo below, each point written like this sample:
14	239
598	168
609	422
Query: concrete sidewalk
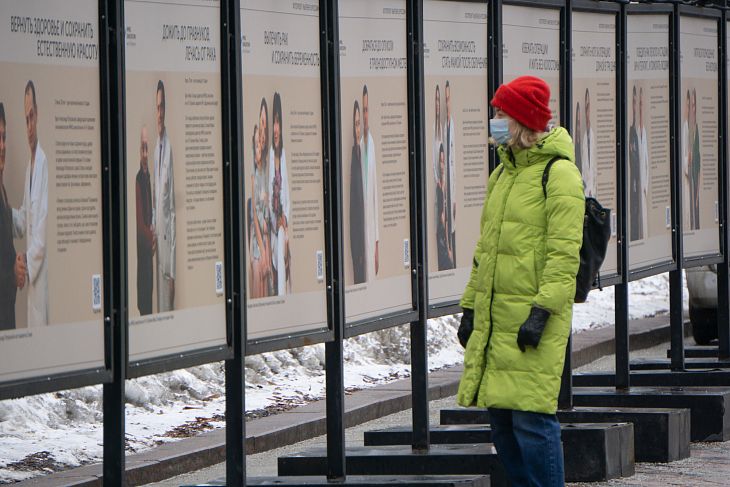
708	466
308	421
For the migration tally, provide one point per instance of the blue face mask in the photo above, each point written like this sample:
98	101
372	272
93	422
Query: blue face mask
499	128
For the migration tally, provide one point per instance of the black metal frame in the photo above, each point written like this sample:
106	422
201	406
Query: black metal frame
642	272
494	75
113	393
235	238
97	375
723	269
706	13
565	399
561	4
676	284
443	309
292	340
190	358
416	150
329	22
385	321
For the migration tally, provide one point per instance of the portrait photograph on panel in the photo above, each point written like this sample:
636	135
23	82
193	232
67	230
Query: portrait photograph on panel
595	118
51	235
375	169
699	136
175	221
283	168
648	135
457	118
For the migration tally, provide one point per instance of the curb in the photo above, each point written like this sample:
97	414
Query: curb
309	421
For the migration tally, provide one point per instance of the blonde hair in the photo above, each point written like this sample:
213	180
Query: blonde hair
522	137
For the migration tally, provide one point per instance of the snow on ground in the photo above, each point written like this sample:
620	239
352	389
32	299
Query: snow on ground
48	432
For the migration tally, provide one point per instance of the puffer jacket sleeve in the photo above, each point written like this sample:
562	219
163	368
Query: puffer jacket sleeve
564	207
467	300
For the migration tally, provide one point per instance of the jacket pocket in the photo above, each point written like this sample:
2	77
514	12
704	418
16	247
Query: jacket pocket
481	268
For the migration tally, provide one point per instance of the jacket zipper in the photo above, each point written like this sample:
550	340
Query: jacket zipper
511	156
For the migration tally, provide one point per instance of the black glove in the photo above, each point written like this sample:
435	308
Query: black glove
466	326
531	330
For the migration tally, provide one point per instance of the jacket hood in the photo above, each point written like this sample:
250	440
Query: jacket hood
557	142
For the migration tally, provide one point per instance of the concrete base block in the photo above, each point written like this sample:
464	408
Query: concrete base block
709	407
359	481
593	452
475	459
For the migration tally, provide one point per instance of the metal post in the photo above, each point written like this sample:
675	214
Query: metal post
335	382
565	397
234	195
676	318
723	276
112	39
419	260
494	53
621	291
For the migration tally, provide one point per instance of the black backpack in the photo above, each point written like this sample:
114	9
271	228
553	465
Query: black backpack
596	234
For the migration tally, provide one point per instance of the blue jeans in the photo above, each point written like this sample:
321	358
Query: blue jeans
529	447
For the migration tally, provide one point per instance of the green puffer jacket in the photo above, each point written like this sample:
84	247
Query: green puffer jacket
527	255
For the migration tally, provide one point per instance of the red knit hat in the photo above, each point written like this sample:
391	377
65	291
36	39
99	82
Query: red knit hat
526	99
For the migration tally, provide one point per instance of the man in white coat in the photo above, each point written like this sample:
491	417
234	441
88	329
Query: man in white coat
30	220
164	210
686	156
370	191
590	169
643	165
450	171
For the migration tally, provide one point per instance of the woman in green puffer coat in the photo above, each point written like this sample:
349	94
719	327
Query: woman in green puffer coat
519	299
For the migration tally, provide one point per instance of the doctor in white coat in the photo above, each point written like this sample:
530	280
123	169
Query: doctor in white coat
30	220
370	190
163	210
588	158
643	165
450	134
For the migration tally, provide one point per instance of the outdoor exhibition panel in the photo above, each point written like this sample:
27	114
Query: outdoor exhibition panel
699	96
594	98
175	185
648	152
374	163
283	172
456	45
532	44
53	197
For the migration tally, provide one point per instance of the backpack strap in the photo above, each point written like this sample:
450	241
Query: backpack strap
546	174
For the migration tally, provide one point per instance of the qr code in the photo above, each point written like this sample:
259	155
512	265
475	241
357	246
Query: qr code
668	217
96	292
319	255
406	252
219	277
